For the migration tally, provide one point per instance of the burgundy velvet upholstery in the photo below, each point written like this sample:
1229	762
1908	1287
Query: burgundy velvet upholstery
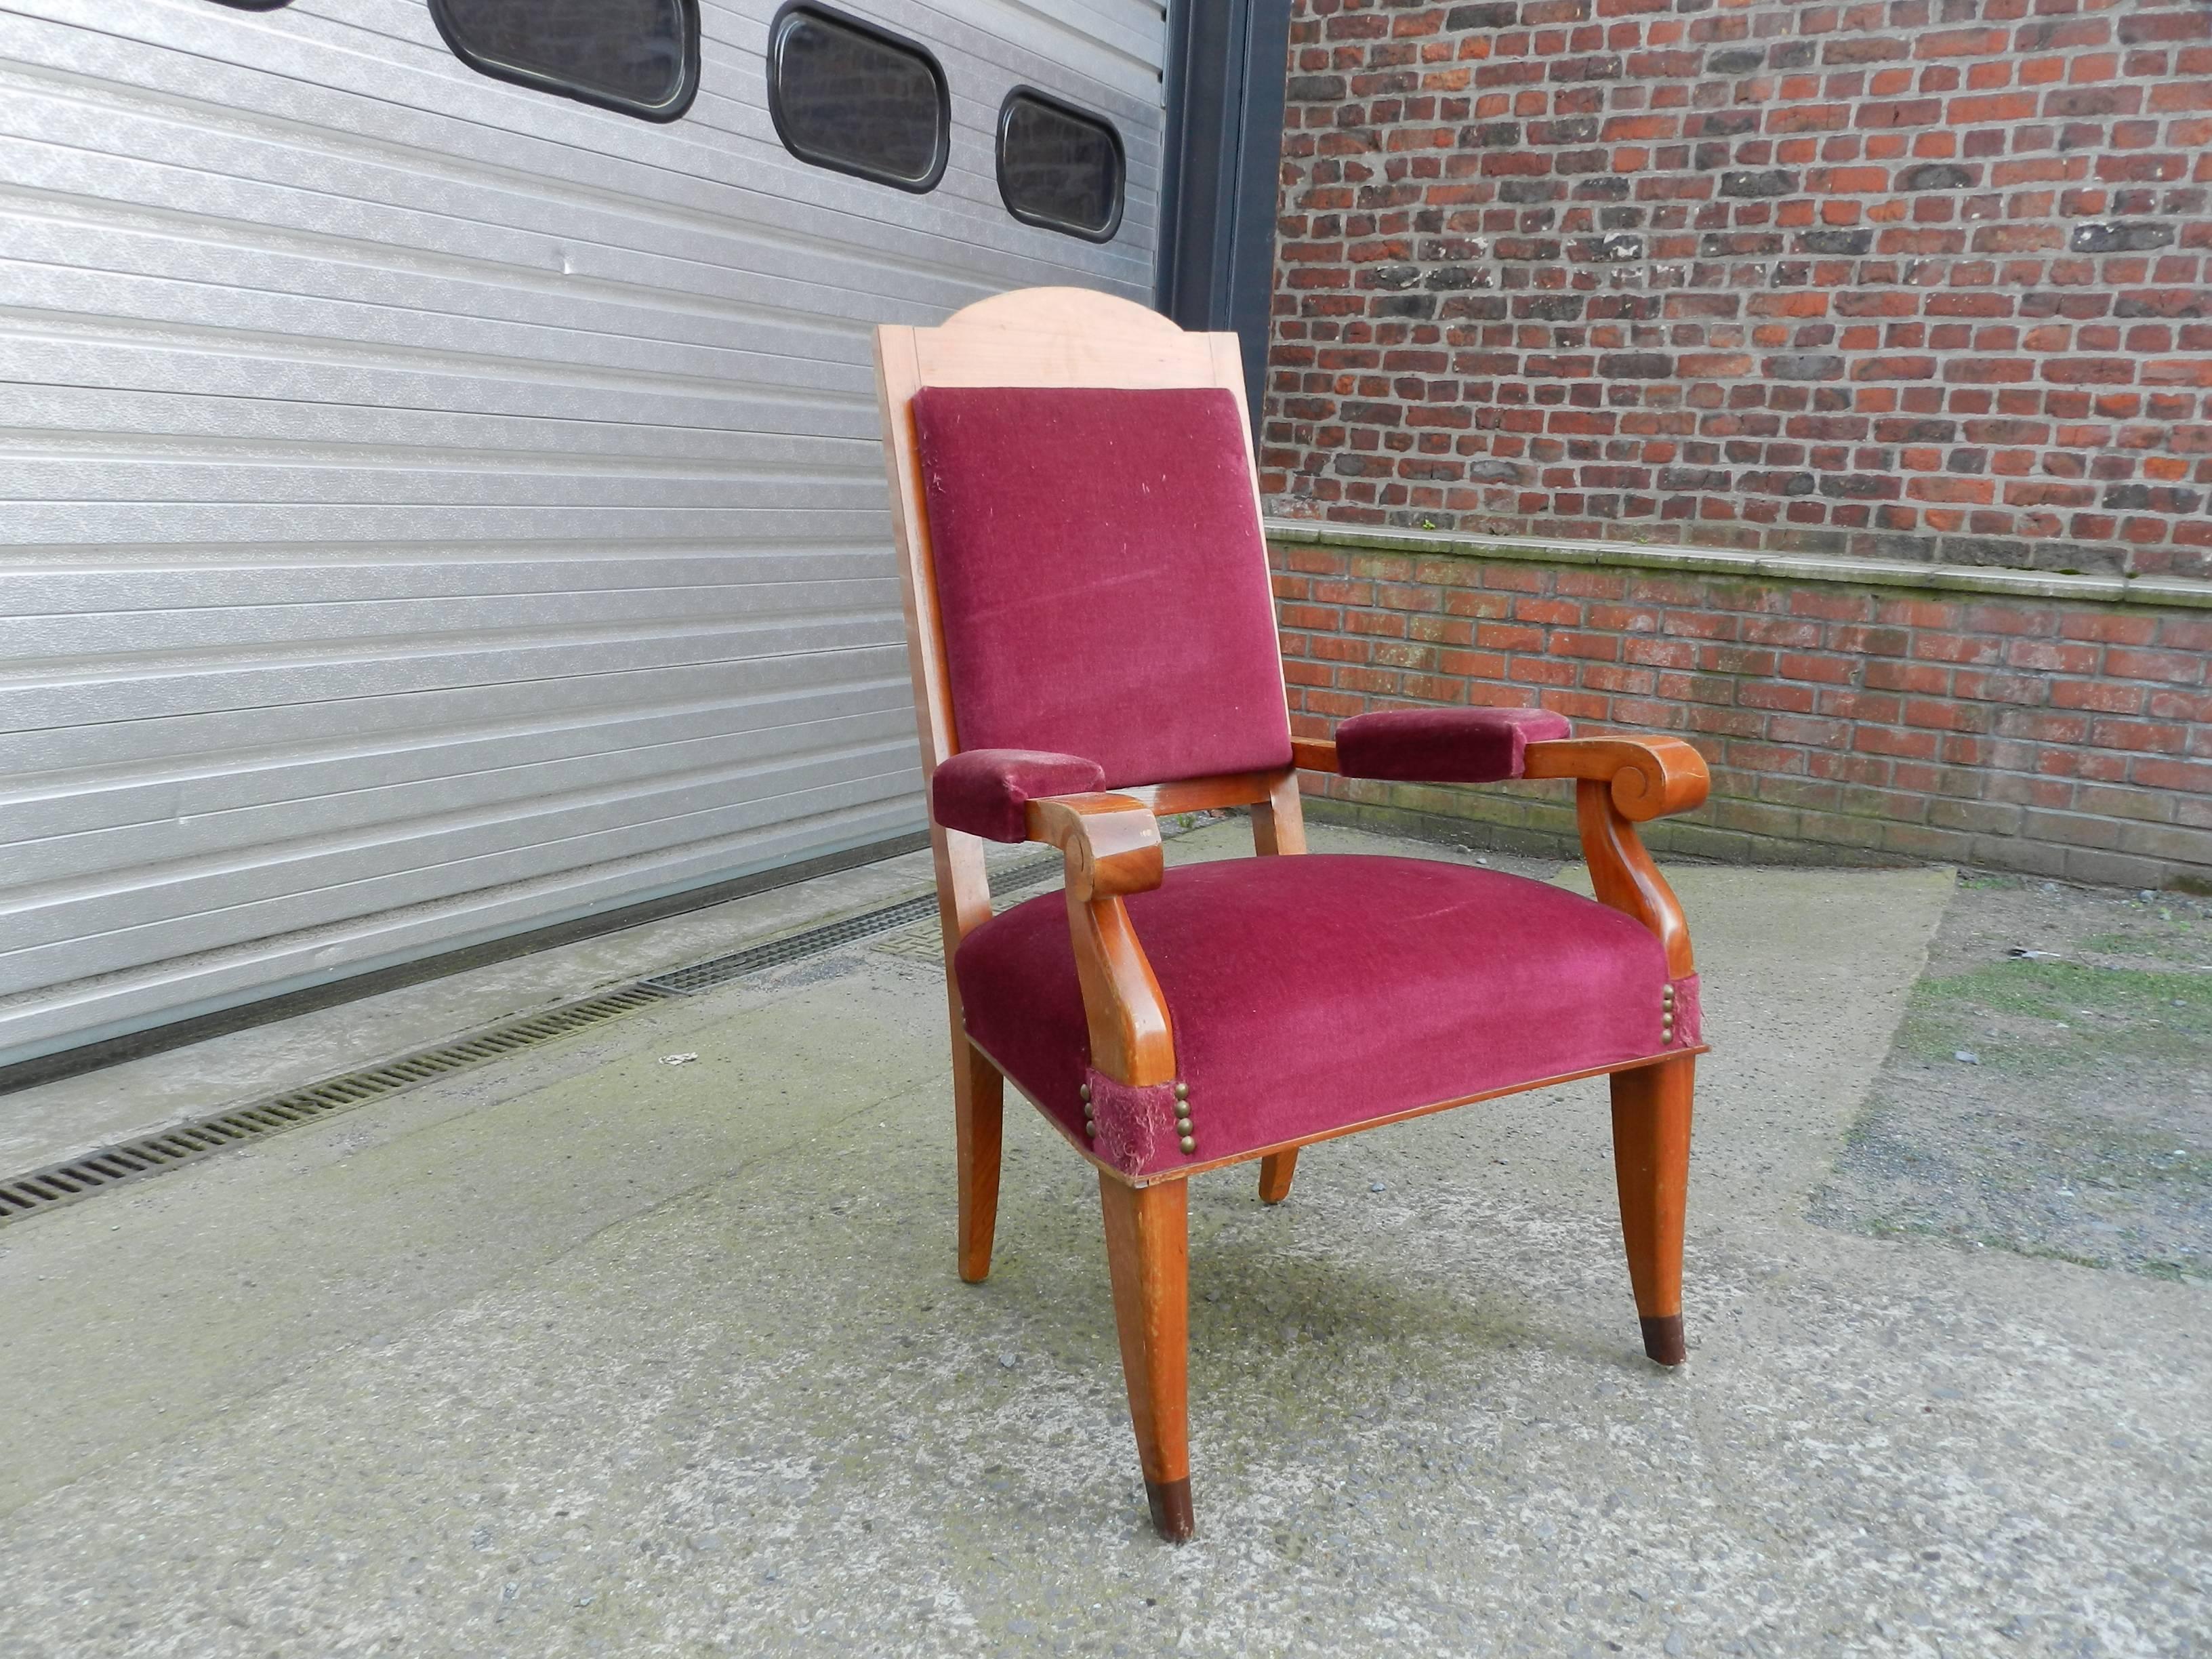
983	791
1313	992
1101	578
1443	745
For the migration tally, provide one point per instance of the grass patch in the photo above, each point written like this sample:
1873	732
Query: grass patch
2079	1134
2122	1013
2059	990
2176	942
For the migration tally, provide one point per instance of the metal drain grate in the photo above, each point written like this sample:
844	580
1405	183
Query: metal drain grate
49	1189
847	930
720	970
185	1143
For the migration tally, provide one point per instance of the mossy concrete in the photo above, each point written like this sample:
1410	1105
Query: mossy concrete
589	1353
2058	1103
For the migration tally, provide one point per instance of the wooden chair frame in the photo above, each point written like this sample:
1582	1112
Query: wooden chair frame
1111	845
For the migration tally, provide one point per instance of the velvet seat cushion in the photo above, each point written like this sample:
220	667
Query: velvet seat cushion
1314	991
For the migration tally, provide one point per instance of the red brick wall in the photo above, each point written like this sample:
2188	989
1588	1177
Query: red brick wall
1921	279
1841	722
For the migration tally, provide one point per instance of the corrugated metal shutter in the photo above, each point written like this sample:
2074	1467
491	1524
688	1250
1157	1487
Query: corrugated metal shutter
434	508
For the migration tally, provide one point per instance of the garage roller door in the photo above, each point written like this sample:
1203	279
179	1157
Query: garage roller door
434	508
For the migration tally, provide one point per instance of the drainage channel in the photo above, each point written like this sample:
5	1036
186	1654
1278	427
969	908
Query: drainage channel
38	1191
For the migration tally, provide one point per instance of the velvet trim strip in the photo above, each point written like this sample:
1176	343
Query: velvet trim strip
1133	1125
1689	1017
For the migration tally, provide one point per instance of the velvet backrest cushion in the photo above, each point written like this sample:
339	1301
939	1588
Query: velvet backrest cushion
1101	578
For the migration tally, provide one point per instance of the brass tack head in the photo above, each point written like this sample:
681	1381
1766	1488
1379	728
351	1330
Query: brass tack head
1084	1091
1183	1117
1190	1144
1182	1091
1090	1129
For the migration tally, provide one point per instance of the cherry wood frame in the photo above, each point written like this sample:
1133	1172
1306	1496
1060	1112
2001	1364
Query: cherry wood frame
1111	842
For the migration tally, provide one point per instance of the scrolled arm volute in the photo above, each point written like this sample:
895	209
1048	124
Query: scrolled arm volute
1648	777
1111	842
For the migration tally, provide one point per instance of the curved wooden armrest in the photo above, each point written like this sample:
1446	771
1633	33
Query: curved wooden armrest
1112	846
1647	777
1618	782
1111	842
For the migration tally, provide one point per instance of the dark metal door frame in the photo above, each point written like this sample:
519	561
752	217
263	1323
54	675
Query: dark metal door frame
1227	61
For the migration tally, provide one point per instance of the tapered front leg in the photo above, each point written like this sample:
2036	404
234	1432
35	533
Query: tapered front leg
978	1117
1275	1172
1651	1162
1148	1254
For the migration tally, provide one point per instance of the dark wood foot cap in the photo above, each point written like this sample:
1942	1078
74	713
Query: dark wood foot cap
1662	1339
1170	1502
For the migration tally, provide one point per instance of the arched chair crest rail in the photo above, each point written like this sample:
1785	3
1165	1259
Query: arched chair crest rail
1091	630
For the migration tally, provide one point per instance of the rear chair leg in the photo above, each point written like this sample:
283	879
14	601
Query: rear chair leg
1651	1162
1275	1172
1148	1254
978	1114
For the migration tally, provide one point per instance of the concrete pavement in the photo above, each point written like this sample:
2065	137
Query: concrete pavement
585	1353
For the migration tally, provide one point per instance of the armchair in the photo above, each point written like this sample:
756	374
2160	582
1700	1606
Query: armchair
1092	640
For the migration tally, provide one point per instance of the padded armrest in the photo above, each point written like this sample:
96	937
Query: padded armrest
1443	745
986	792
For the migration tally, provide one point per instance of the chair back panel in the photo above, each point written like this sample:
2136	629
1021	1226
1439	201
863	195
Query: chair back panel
1101	581
1176	688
